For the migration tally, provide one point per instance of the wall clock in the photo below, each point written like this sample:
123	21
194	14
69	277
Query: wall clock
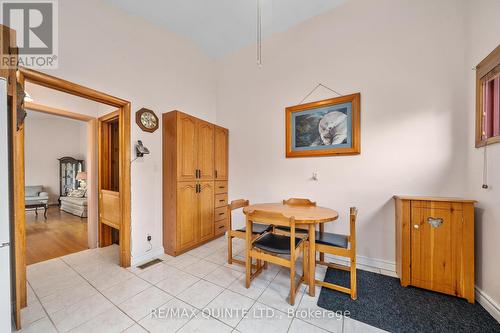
146	120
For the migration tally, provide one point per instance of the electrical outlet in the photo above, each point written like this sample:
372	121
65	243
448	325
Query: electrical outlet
149	238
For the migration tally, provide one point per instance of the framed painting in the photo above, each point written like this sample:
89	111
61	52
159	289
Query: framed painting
324	128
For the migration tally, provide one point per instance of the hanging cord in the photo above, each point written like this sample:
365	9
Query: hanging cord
259	34
317	86
485	166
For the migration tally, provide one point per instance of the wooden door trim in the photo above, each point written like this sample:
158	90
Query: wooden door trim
75	89
16	166
48	81
123	116
55	111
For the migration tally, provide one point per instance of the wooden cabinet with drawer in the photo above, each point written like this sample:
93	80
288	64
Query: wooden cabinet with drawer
435	244
194	195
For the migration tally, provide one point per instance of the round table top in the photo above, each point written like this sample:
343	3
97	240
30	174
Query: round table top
302	214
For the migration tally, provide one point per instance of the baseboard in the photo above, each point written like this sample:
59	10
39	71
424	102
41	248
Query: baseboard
154	253
488	304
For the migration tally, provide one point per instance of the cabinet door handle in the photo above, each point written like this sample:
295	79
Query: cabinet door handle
416	226
215	173
199	173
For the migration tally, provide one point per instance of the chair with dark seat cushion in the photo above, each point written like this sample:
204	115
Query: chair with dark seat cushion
275	243
330	239
258	229
271	247
339	245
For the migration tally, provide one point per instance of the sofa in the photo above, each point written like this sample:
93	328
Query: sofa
35	193
75	205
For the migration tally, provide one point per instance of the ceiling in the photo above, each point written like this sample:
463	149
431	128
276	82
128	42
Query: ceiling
220	27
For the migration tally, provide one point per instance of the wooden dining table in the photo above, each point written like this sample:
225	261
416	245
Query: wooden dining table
305	216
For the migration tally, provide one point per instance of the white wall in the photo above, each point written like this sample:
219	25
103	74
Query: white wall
48	138
483	35
108	50
406	59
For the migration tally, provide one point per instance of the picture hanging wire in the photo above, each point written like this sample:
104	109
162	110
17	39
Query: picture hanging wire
317	86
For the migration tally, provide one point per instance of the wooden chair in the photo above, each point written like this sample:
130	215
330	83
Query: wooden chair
295	202
339	245
269	246
258	229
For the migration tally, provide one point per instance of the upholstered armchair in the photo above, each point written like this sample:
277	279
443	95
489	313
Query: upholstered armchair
36	192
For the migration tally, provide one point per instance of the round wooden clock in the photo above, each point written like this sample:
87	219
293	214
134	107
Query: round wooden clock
146	120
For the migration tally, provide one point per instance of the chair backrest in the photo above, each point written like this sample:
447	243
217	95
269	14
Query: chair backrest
353	214
239	203
276	219
299	202
235	204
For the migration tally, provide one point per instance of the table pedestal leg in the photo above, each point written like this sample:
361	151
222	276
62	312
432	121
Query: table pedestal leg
45	212
312	259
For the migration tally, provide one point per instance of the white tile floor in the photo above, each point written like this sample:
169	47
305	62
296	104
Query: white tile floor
88	292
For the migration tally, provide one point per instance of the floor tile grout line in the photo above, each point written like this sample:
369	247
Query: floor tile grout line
43	308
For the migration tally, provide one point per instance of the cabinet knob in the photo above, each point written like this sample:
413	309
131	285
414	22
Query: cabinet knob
416	226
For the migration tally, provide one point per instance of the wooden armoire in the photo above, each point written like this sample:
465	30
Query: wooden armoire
435	244
195	173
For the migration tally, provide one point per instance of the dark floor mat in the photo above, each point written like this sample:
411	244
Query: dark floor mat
383	303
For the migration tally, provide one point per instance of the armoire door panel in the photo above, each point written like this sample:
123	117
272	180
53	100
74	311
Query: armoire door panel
205	150
221	153
206	208
187	147
433	248
187	215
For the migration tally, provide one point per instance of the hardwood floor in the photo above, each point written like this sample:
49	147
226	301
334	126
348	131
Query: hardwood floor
59	235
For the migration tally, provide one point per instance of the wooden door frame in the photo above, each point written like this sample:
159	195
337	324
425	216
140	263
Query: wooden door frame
52	82
16	154
91	168
104	127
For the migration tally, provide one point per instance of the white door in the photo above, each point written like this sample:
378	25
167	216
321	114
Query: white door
5	314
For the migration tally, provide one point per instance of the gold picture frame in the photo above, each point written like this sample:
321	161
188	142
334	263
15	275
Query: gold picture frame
324	128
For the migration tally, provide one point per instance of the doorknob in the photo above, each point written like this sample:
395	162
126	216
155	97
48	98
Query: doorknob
416	226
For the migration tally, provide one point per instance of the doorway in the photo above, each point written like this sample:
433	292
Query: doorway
119	123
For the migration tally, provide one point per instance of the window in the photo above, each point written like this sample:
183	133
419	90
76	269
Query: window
488	99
